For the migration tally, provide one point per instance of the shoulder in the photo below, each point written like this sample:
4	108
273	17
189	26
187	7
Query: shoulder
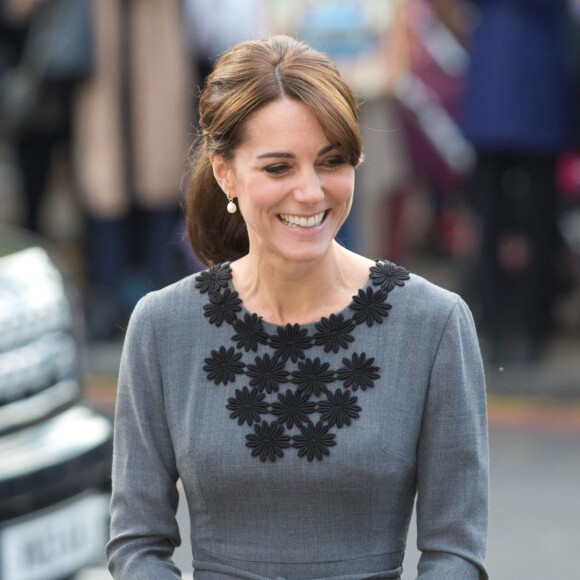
437	312
417	302
168	299
424	294
411	289
174	305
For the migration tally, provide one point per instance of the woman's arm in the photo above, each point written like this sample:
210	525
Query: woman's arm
452	458
144	532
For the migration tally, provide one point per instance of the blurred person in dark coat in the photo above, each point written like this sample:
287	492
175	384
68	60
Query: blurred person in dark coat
518	116
48	129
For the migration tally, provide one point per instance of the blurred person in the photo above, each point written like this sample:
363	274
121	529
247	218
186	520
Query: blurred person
302	393
132	120
517	114
572	39
37	141
427	80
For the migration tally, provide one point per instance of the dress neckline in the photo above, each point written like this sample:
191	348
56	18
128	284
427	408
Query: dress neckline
271	326
217	282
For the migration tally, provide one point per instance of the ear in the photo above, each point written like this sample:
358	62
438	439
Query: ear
221	171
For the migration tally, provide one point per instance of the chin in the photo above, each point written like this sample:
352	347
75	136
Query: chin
306	255
291	250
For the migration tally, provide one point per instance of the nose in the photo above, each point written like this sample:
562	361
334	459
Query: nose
309	190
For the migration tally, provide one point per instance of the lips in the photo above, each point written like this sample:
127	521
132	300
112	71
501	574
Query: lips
302	221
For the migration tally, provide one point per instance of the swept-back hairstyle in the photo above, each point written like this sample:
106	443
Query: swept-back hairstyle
246	78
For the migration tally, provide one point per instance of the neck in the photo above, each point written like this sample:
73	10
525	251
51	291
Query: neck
298	292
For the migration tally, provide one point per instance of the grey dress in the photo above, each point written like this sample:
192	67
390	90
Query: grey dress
301	448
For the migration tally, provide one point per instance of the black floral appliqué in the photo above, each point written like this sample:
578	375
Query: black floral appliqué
314	441
388	275
214	279
223	365
249	332
370	306
308	414
312	376
339	409
293	408
222	306
247	406
291	342
267	374
334	332
268	441
358	372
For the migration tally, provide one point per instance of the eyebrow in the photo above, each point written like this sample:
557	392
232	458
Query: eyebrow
287	155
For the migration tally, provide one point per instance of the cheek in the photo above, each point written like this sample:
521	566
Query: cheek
343	185
255	197
259	190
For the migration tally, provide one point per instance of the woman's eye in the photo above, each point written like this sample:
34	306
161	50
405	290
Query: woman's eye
336	161
276	169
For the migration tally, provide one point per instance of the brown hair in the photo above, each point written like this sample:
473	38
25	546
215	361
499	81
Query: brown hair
245	78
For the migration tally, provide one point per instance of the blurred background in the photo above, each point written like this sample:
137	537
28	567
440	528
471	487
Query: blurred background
470	111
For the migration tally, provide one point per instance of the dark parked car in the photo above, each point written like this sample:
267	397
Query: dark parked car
55	451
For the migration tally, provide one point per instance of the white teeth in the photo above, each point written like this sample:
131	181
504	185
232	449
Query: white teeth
302	222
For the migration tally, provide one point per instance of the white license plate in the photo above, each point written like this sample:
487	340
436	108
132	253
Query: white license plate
55	542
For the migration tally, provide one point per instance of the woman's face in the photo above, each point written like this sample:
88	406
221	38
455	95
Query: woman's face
293	186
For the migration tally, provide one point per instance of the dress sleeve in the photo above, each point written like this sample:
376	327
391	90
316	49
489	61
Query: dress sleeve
452	458
144	531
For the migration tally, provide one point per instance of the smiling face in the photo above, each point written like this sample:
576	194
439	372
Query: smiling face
293	186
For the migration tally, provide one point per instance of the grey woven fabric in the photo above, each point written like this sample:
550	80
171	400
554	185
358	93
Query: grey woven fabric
334	499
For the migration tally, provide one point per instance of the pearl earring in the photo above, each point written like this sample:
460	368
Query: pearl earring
231	207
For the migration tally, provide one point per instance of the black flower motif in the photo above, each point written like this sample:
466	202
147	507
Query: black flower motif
291	342
247	406
312	377
314	441
358	372
267	374
213	279
370	306
388	275
223	365
268	440
293	408
339	409
222	306
334	332
249	332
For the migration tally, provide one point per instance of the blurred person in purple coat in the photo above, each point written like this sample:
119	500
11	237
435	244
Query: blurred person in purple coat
518	115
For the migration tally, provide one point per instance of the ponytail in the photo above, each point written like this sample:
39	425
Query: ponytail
215	235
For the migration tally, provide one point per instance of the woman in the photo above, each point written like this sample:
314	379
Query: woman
303	394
